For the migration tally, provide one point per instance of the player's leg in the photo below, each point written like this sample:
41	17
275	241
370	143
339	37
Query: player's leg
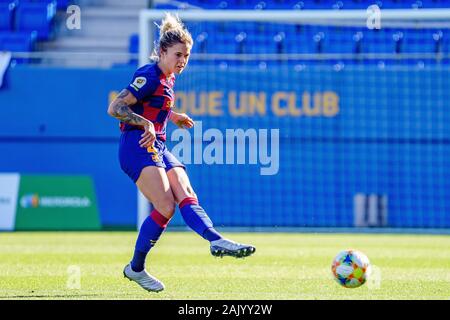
193	214
197	219
154	185
146	168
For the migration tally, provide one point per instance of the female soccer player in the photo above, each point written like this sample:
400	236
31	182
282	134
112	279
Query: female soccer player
143	109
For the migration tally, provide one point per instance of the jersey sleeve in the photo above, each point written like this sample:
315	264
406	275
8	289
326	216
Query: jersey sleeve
143	85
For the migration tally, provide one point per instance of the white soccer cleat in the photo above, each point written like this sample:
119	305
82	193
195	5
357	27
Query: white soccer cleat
226	247
143	278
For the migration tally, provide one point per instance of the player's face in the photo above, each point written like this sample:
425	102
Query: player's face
176	57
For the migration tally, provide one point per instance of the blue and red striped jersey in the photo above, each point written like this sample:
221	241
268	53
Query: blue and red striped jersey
155	96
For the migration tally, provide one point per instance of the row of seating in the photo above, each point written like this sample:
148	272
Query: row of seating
60	4
325	40
303	5
25	22
329	40
299	65
28	16
257	37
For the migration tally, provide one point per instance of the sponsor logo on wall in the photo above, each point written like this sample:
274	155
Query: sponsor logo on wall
36	201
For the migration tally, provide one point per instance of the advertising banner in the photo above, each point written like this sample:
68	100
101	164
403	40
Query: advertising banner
57	203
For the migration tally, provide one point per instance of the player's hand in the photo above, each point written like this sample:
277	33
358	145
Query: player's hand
148	137
182	120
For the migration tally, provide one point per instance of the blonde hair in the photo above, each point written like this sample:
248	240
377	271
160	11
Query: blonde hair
171	32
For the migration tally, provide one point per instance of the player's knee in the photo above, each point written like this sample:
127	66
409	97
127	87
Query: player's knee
167	209
191	193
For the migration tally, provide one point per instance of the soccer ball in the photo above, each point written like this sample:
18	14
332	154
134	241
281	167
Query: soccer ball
351	268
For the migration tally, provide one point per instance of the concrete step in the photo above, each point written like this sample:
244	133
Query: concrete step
121	3
103	40
98	22
95	62
113	3
107	12
99	28
79	44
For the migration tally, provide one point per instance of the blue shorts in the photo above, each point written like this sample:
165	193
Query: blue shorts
133	158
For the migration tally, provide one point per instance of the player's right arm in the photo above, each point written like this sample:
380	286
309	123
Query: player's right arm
120	109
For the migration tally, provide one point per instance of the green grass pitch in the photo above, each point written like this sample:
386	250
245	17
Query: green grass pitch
288	266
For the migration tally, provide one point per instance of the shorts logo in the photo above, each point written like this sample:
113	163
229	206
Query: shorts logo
138	83
154	154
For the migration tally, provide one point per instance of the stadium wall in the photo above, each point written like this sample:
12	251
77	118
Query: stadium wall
344	135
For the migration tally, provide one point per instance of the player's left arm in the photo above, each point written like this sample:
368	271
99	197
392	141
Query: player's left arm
182	120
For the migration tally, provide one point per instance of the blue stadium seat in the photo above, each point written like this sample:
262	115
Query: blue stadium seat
280	44
446	42
7	15
201	41
36	16
18	41
300	43
60	4
240	43
133	47
63	4
416	41
357	4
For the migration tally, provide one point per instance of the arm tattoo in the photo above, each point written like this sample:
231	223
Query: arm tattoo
123	112
123	94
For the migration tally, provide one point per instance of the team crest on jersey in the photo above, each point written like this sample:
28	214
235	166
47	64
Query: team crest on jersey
138	83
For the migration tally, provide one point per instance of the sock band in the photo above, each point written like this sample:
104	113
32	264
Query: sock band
159	219
150	231
188	200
